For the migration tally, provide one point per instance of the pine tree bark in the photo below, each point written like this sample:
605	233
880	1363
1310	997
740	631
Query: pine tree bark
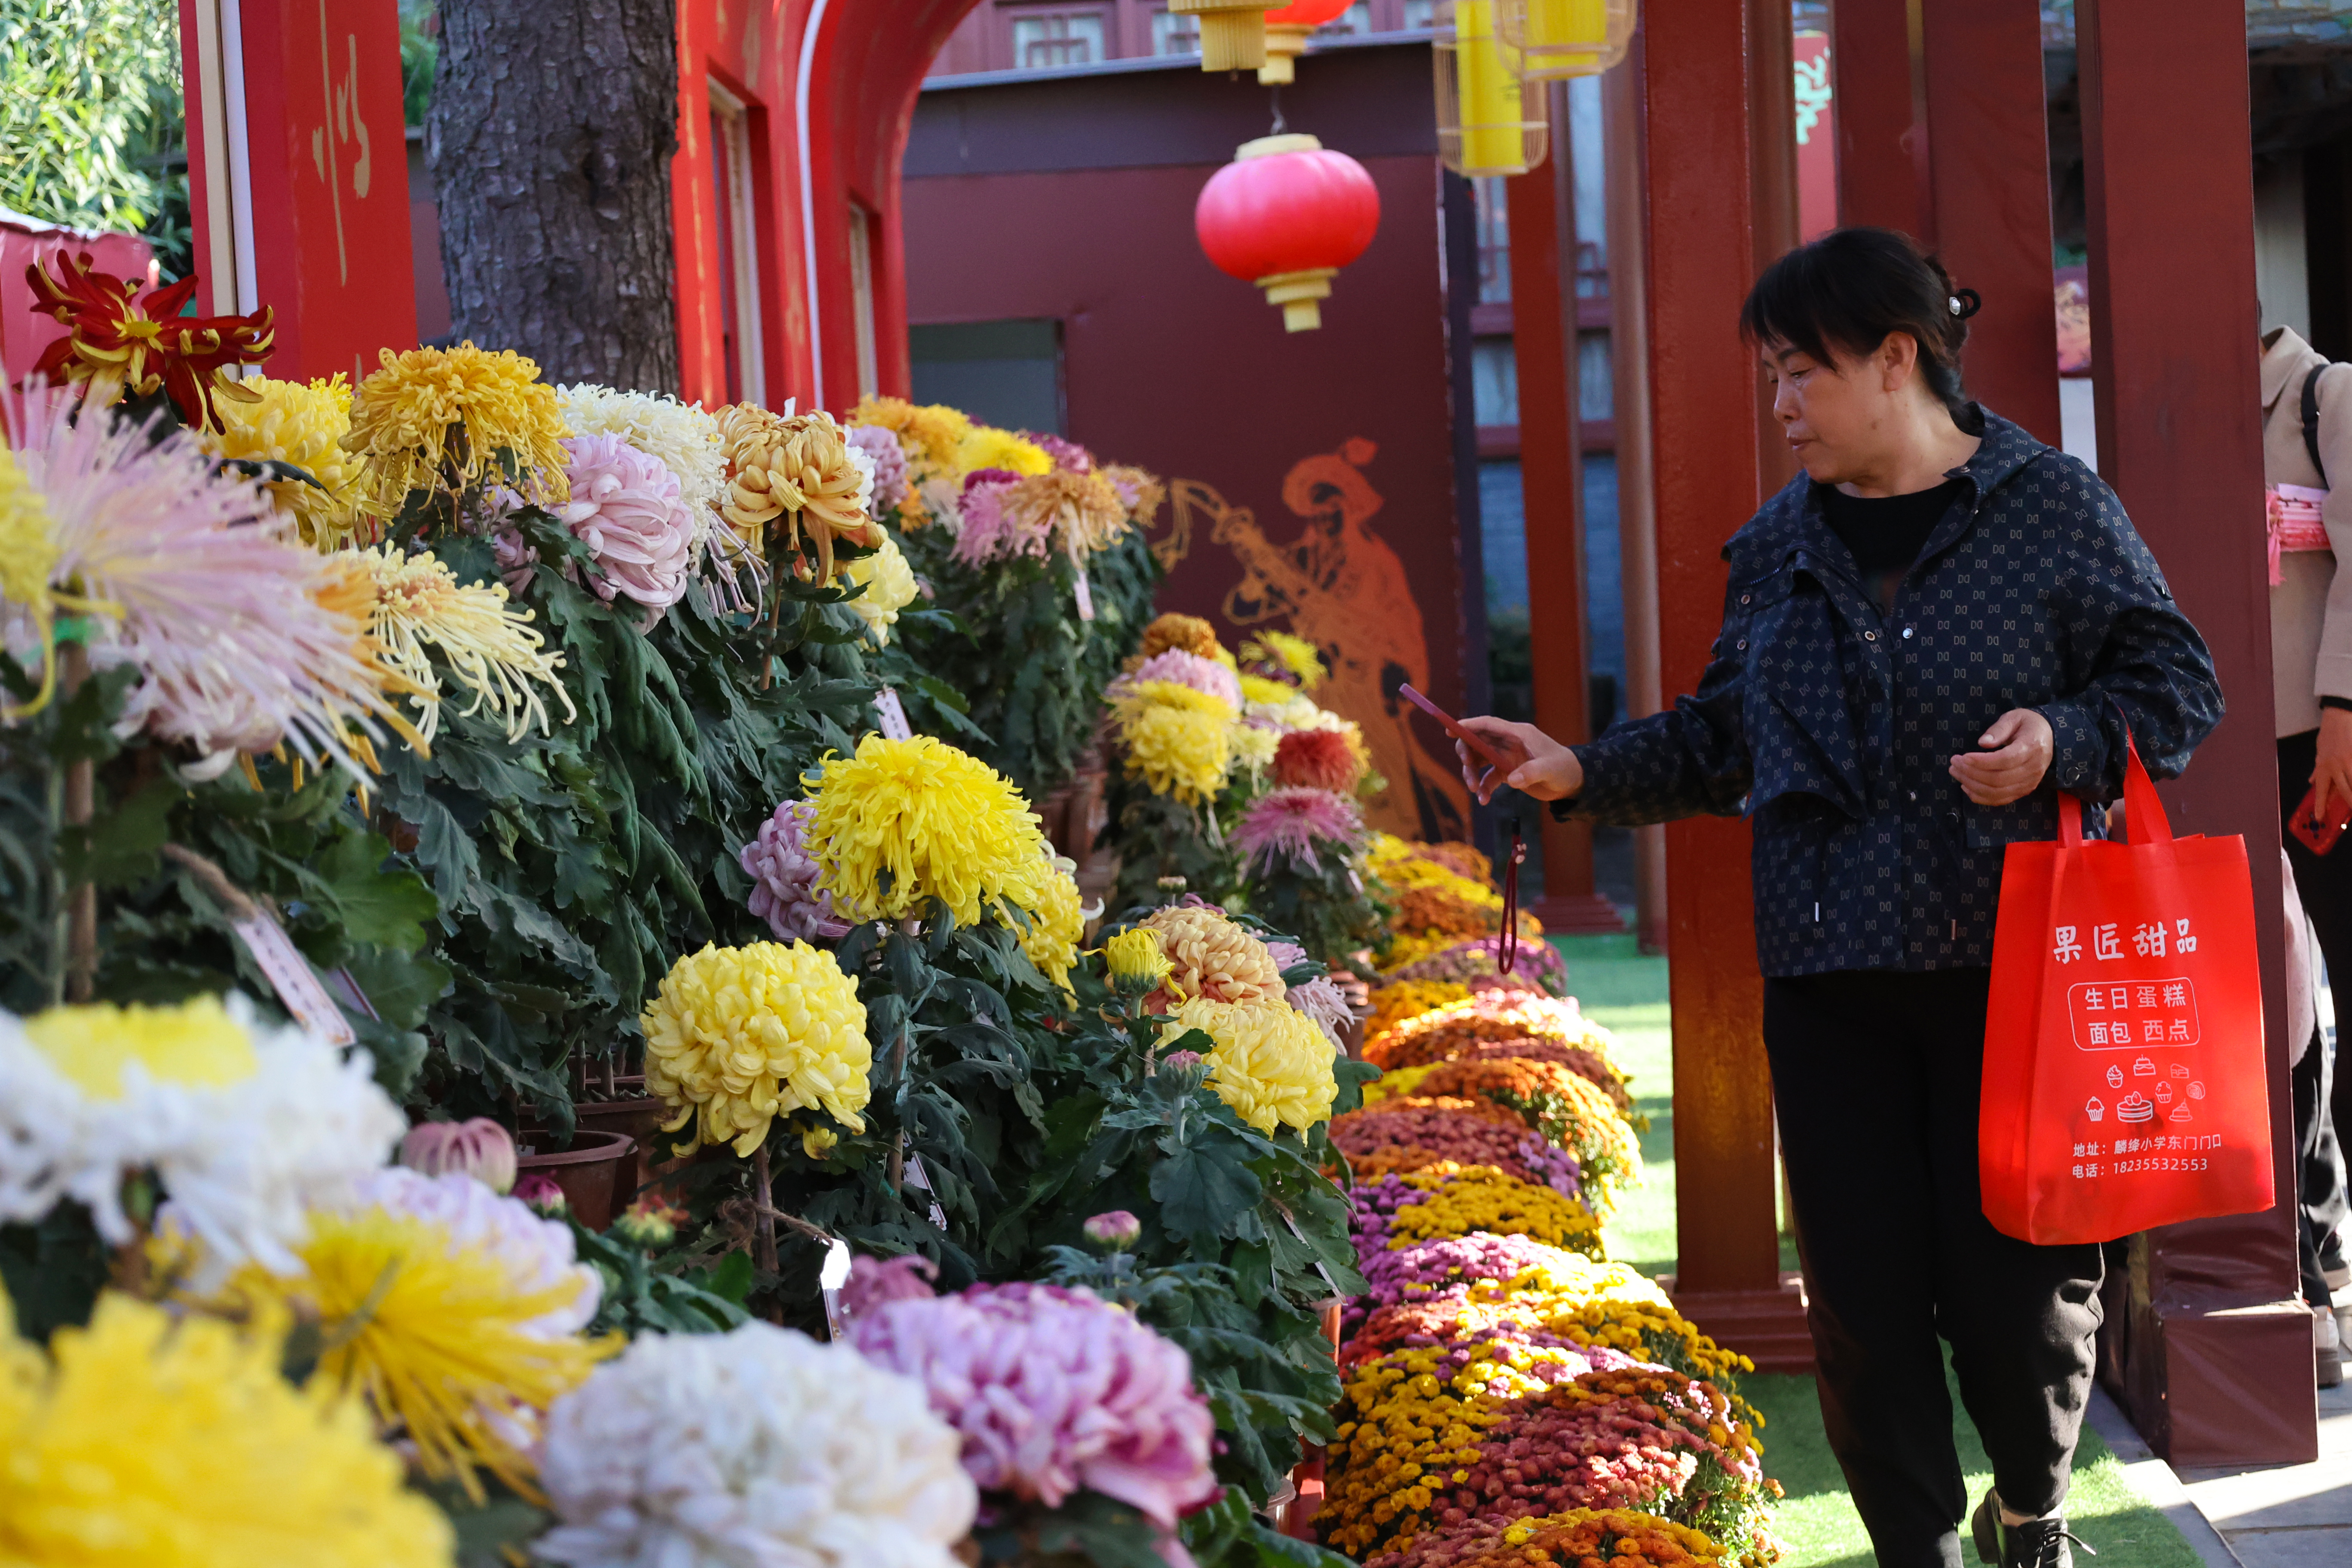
549	139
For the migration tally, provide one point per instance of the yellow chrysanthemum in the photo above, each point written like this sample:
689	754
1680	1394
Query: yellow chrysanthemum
1272	1065
889	588
926	434
1273	693
1190	633
1080	513
27	557
195	1042
421	607
1057	924
1135	959
740	1035
438	1337
1212	957
1255	745
143	1441
439	418
986	446
905	822
1178	741
795	467
1295	654
289	422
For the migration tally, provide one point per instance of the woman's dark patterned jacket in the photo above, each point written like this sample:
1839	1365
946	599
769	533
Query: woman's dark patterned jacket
1831	723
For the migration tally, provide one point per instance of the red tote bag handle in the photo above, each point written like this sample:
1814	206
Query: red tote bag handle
2144	818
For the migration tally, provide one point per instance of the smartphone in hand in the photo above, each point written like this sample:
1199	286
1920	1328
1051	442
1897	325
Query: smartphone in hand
2318	833
1453	727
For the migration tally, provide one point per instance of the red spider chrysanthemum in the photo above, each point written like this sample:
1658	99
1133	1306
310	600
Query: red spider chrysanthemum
1318	759
120	343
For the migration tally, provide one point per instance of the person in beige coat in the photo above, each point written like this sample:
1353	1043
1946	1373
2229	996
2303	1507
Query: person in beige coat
2307	442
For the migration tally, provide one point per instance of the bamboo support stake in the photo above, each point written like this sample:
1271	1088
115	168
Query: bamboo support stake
80	915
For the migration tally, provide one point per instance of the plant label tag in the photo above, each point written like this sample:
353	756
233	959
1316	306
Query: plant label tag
919	1177
1086	597
292	978
894	715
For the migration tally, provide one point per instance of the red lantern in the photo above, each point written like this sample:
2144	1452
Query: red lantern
1286	32
1286	213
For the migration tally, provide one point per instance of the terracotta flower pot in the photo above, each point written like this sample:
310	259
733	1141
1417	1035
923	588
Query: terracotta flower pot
589	1171
640	1119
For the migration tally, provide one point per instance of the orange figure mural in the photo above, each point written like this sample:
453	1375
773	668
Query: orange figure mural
1339	585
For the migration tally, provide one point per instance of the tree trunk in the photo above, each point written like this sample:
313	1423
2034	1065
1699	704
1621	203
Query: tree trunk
549	138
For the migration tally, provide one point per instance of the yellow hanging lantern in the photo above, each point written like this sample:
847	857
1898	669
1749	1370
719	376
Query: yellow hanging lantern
1489	119
1560	38
1232	35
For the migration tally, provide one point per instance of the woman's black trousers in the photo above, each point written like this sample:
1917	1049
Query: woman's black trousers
1875	1076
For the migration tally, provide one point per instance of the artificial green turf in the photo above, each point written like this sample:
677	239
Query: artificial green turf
1625	991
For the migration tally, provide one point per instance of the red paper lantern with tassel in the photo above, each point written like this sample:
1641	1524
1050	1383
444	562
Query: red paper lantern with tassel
1286	213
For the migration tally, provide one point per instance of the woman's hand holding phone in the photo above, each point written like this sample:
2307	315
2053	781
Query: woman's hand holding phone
1527	759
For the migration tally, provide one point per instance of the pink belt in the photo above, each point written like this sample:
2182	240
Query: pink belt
2293	518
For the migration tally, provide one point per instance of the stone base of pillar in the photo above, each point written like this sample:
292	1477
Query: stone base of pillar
1767	1327
1577	914
2200	1385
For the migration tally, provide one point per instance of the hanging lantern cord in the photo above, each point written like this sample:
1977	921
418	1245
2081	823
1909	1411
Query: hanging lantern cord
1274	100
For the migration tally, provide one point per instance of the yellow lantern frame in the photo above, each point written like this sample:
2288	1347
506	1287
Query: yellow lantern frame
1556	39
1490	119
1232	35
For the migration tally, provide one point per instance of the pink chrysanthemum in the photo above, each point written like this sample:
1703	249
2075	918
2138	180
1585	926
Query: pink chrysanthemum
1068	456
1291	822
783	878
889	459
1190	670
988	534
1054	1391
1319	998
219	602
629	509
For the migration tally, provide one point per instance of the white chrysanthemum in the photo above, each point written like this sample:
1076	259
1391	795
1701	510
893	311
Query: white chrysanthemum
683	437
863	460
889	588
1254	745
759	1448
538	1253
241	1123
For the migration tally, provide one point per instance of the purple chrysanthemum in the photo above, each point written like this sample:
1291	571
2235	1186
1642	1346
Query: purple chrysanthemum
988	534
1291	822
1054	1391
783	878
889	462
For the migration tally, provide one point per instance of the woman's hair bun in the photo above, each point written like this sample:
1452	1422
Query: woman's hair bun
1966	302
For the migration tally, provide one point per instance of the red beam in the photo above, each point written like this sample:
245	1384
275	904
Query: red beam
1703	411
2217	1359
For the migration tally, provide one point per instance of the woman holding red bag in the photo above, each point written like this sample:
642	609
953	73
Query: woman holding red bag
1928	634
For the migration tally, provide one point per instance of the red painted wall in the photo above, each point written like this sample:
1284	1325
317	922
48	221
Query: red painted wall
1321	456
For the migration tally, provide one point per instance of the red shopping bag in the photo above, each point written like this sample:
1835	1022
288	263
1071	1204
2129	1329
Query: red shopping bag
2124	1083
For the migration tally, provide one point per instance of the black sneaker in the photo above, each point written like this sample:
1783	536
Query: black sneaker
2037	1543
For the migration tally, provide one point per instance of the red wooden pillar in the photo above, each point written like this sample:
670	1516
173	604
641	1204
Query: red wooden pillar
1542	209
2217	1359
1698	82
1942	133
298	175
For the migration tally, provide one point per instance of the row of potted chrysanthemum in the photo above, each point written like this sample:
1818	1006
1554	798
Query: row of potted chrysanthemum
1508	1389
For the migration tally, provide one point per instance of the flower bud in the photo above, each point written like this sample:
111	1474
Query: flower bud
1175	1059
650	1224
479	1148
1138	964
1116	1231
540	1191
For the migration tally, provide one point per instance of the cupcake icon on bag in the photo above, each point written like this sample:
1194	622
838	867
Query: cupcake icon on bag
2094	1110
